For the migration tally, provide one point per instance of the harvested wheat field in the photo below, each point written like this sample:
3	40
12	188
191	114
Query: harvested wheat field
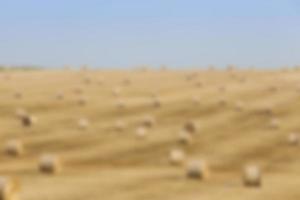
107	134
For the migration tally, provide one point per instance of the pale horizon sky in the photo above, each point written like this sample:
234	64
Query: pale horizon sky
125	33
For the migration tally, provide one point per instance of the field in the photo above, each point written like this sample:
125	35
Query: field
242	116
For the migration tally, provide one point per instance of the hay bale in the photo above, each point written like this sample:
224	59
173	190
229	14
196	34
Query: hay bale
293	139
20	113
222	88
28	120
176	157
141	132
82	101
274	123
78	90
156	102
190	126
148	121
273	88
184	138
50	164
120	125
100	81
252	176
87	80
83	123
222	101
18	95
116	91
196	100
197	169
9	189
199	84
126	82
60	96
239	106
266	110
14	148
120	104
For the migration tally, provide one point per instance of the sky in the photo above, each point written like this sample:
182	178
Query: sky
127	33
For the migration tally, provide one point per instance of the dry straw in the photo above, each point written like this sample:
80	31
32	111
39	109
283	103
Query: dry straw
14	148
252	176
50	164
197	169
9	189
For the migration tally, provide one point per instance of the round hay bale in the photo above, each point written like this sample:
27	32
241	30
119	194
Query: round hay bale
83	123
78	90
156	102
293	139
59	96
199	84
274	123
190	126
20	113
252	176
176	157
116	91
126	81
120	104
184	138
14	148
266	110
148	121
273	88
87	80
100	81
197	169
50	164
82	101
28	120
196	100
239	106
120	125
222	101
9	189
222	88
18	95
141	132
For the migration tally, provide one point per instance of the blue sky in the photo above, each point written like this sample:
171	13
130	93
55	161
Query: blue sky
122	33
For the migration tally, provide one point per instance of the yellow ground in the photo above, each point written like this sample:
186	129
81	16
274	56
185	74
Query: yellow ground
103	163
